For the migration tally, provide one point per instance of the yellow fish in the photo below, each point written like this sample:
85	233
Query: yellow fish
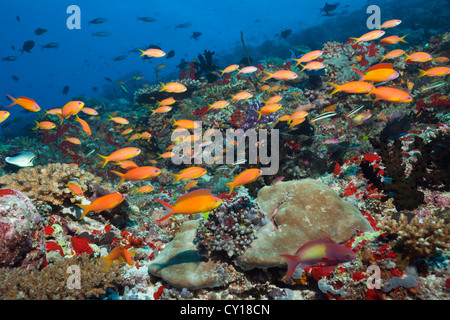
244	177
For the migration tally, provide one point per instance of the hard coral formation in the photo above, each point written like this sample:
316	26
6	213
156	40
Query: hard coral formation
306	210
21	232
230	228
53	282
46	183
430	170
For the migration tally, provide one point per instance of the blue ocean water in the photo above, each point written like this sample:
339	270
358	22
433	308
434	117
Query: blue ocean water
83	61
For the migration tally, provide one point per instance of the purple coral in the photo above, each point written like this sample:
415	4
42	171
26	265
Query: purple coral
230	227
252	116
21	232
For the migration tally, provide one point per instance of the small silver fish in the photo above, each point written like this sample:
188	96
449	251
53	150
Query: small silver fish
25	159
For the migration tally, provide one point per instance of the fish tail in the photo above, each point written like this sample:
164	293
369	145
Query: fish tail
292	264
357	40
15	101
402	39
85	209
105	262
221	73
103	157
406	57
37	125
304	67
231	186
298	62
167	207
153	112
143	53
422	73
121	175
259	115
269	74
337	88
163	87
176	176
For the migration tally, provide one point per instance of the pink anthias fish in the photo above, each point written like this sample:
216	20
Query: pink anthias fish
322	250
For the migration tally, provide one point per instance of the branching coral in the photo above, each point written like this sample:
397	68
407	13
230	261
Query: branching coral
419	238
47	183
54	282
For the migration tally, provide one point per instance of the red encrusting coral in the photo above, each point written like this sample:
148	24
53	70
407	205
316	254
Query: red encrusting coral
81	245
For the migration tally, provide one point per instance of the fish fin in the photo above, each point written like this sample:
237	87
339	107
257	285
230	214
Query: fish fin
105	262
259	115
37	125
192	194
337	88
176	176
163	87
422	73
167	207
121	175
103	157
402	39
357	40
292	265
15	101
231	186
143	54
406	57
360	73
85	208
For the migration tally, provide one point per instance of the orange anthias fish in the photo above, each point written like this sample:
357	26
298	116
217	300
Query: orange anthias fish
435	72
75	189
268	109
247	70
244	177
26	103
173	87
369	36
190	185
197	201
392	40
229	69
162	109
109	201
89	111
313	65
137	174
126	164
441	59
121	154
4	115
119	253
295	122
274	99
390	24
352	87
307	57
219	104
71	108
186	124
391	94
144	189
243	95
282	75
378	75
73	140
166	102
118	120
418	57
152	53
322	250
84	125
189	174
393	54
45	125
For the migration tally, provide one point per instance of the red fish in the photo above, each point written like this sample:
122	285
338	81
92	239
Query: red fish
322	250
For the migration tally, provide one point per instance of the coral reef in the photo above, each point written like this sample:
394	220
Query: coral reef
21	232
47	183
53	283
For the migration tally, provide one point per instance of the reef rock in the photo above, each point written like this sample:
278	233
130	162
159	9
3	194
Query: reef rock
21	232
308	210
181	264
